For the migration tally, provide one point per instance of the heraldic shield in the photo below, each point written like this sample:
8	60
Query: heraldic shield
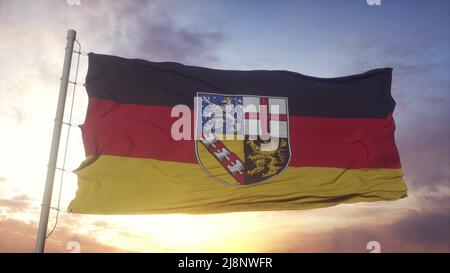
242	139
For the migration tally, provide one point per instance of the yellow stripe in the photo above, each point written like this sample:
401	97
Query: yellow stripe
124	185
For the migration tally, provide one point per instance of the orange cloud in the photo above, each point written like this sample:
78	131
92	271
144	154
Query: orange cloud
18	203
414	232
20	236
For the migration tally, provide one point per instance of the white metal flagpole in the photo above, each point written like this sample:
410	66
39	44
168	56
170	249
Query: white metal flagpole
46	201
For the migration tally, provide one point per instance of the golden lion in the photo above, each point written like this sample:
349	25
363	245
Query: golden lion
266	162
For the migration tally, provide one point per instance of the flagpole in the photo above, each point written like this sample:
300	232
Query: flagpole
47	198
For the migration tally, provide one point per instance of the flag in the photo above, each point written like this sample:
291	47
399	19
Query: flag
170	138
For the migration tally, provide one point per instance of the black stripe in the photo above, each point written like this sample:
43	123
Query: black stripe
133	81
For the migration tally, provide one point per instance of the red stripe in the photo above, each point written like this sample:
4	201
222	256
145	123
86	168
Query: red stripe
144	131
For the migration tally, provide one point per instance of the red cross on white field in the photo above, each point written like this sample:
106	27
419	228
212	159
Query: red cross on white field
264	116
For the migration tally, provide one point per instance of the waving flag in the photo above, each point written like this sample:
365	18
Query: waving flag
252	140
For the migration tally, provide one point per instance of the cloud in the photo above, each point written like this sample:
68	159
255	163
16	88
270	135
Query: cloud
19	203
147	30
101	224
430	229
416	231
136	29
167	42
425	152
20	236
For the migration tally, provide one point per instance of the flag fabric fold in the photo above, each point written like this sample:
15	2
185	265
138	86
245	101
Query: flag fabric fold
334	140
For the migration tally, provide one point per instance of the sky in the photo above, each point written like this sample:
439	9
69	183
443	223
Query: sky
321	38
